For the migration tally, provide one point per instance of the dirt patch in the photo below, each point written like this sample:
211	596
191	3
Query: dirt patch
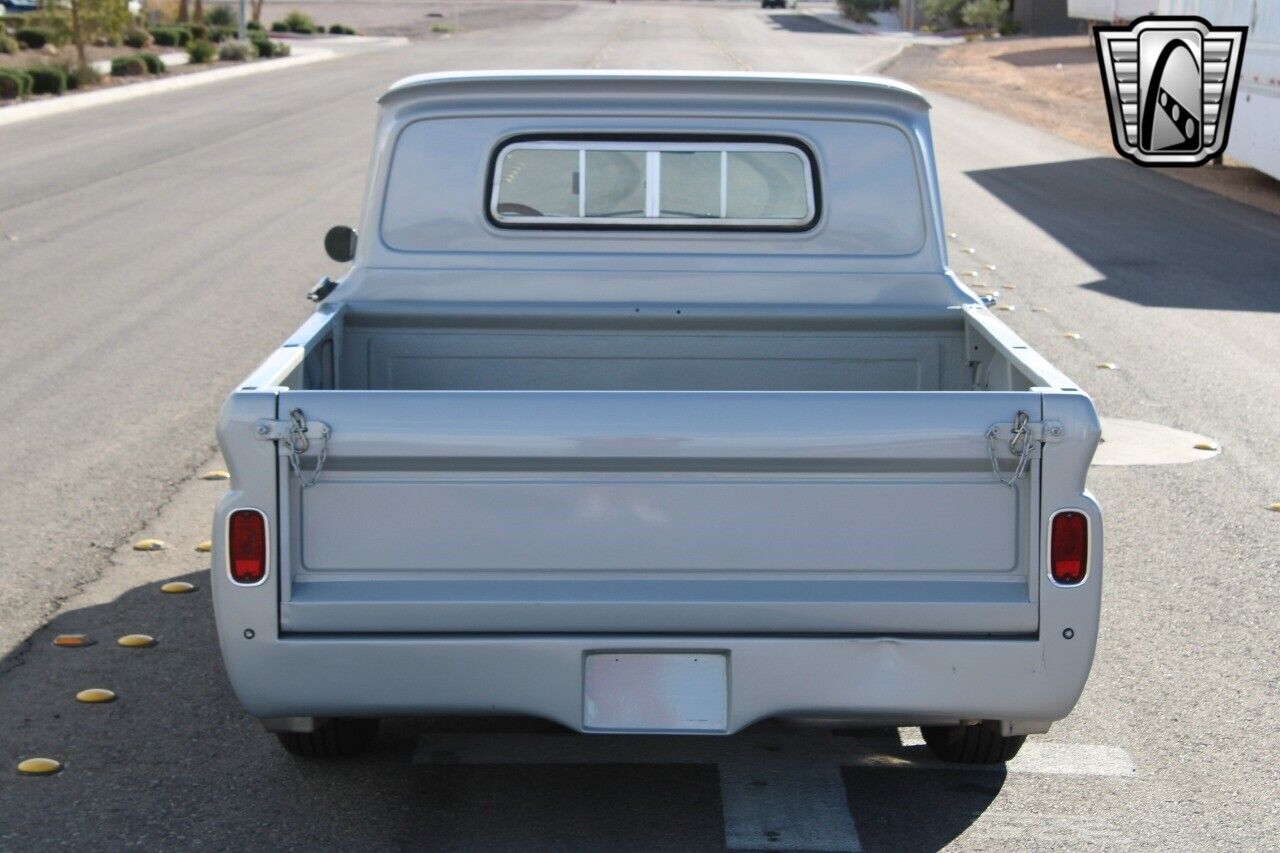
419	20
1054	84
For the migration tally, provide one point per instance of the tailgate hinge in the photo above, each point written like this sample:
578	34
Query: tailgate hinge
1025	438
295	436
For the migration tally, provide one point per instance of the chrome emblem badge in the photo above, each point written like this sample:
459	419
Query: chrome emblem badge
1170	85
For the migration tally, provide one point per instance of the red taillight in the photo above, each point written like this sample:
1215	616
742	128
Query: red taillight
247	546
1069	547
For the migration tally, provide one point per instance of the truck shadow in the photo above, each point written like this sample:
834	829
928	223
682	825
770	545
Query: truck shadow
175	761
1156	240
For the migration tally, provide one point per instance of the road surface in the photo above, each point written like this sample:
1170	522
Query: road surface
151	252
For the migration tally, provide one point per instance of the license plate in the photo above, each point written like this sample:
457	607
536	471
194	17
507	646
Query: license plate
634	692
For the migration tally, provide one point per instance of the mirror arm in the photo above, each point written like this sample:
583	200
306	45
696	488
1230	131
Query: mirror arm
322	289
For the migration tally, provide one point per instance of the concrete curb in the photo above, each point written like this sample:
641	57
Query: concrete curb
71	103
878	65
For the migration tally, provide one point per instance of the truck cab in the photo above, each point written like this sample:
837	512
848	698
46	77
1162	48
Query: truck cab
650	405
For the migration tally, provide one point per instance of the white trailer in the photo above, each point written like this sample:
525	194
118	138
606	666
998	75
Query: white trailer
1256	123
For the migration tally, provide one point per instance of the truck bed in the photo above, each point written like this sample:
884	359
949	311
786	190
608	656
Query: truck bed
677	349
502	469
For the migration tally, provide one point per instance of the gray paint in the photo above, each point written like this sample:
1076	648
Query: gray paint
551	444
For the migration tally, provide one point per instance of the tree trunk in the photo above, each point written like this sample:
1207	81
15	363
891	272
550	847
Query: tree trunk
199	12
256	14
77	34
182	11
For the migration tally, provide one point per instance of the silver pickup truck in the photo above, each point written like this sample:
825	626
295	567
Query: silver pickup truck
649	404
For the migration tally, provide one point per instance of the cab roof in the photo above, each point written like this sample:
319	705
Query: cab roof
764	84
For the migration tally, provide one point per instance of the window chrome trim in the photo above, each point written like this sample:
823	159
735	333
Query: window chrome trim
653	177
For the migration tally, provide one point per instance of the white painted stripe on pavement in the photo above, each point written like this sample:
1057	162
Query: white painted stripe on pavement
785	805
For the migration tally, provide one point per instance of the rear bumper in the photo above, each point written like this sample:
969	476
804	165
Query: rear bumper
1030	682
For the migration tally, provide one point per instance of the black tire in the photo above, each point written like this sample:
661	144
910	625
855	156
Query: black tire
980	744
338	738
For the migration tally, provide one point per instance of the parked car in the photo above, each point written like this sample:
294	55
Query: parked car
778	4
649	404
19	7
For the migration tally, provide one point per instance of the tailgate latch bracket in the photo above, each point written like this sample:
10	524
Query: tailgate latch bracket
1024	438
295	436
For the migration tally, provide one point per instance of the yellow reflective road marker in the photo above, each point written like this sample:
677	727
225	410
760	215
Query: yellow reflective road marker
39	766
216	474
149	545
72	640
953	235
991	267
96	695
1107	365
969	251
1207	445
970	273
1275	507
205	547
136	641
1039	309
1004	307
1072	336
178	587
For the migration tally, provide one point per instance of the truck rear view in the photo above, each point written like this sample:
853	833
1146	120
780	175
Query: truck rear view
649	405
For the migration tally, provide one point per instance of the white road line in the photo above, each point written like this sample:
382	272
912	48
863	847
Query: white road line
781	788
779	803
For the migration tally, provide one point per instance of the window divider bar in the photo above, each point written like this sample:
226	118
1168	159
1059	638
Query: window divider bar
652	183
724	184
582	183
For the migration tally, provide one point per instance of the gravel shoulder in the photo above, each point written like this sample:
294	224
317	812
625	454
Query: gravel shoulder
1053	84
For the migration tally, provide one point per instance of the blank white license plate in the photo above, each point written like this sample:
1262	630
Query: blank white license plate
632	692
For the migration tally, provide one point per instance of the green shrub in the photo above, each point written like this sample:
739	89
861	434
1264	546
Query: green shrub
80	76
155	65
989	14
279	48
297	22
198	31
33	38
237	51
340	30
128	66
220	15
136	39
217	35
47	80
279	27
171	36
253	25
201	51
14	83
8	44
944	14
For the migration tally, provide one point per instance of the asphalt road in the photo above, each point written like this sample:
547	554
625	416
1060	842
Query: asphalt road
152	252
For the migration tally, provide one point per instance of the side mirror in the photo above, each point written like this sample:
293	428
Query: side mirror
340	243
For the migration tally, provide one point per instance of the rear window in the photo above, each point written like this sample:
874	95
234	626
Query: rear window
559	183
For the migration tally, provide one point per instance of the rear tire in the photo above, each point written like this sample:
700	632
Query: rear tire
980	744
343	737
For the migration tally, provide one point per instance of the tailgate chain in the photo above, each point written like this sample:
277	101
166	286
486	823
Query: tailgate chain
1020	445
297	443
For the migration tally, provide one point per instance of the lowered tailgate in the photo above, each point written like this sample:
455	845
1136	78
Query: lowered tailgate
689	512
